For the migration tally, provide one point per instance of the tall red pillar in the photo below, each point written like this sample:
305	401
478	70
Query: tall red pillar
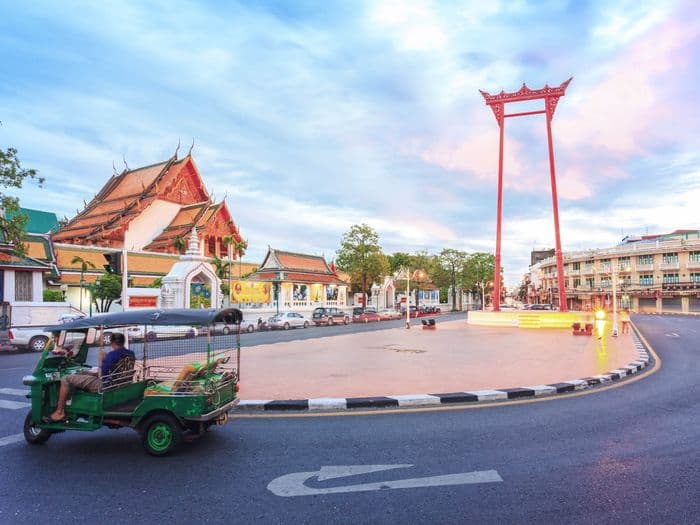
497	102
496	294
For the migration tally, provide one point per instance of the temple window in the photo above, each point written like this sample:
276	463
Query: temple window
212	246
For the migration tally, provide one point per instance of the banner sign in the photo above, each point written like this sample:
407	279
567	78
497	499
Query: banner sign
137	301
250	292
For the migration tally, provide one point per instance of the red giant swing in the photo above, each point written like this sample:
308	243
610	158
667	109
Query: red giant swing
497	102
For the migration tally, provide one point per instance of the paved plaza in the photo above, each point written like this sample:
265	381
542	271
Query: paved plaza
454	357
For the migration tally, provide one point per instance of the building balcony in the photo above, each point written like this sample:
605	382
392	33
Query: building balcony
693	265
680	286
578	272
670	266
644	267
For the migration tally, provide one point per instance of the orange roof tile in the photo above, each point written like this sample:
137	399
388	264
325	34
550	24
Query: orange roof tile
302	262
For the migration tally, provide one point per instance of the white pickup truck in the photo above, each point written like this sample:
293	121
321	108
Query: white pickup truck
34	337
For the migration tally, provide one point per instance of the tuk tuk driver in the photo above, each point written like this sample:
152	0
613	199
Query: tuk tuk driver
89	381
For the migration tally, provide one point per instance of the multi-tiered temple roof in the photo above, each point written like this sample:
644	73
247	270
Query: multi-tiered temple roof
152	209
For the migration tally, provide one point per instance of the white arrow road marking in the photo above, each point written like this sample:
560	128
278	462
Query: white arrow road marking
14	391
672	334
294	484
8	440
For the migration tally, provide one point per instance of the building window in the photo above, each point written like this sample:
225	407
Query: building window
577	282
624	263
645	259
605	282
670	278
695	277
626	280
695	257
670	258
589	265
646	280
211	246
23	286
590	282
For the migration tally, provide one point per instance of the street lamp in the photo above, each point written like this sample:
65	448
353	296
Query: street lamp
277	283
405	273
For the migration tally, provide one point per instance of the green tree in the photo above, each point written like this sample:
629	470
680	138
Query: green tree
361	256
108	290
13	223
399	260
179	244
53	296
450	267
478	272
222	269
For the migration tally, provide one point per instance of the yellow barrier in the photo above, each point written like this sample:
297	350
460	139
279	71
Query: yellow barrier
528	318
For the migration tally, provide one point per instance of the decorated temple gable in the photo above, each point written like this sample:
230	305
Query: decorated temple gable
152	208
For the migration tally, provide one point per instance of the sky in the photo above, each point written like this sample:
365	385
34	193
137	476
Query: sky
310	117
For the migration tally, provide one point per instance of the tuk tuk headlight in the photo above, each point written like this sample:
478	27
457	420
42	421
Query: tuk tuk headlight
29	380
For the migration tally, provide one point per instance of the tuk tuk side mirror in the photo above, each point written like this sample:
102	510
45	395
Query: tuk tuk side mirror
61	338
91	336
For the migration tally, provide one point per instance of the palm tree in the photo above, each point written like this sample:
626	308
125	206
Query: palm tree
84	265
179	244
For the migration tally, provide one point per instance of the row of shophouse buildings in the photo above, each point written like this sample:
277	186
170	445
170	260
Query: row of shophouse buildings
163	227
653	273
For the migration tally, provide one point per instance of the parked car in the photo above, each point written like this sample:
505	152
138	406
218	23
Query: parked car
286	320
31	337
329	316
387	314
166	332
541	307
431	309
413	309
360	315
225	329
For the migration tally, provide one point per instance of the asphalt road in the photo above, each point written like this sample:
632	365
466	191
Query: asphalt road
625	455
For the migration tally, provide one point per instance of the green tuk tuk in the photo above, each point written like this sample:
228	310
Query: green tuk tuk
182	378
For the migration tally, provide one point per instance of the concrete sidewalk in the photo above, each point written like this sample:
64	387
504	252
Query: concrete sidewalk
454	357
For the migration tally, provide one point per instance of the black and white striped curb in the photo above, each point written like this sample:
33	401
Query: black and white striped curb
475	396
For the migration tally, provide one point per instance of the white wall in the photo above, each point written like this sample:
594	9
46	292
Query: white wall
150	223
9	290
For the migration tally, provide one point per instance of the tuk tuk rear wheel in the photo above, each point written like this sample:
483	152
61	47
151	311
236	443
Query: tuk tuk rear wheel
33	434
161	435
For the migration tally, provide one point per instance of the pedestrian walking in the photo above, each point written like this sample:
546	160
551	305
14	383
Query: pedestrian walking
625	320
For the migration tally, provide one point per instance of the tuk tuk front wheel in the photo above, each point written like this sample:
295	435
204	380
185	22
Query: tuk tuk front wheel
32	433
161	434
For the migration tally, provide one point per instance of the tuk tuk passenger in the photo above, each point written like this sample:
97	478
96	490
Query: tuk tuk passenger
90	381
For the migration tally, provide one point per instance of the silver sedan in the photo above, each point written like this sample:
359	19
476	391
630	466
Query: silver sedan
286	320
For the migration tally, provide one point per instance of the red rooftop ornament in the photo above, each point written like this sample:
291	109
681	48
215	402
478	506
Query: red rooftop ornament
497	102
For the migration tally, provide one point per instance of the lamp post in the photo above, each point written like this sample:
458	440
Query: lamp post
405	273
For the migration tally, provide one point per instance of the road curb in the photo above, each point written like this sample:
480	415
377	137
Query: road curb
467	397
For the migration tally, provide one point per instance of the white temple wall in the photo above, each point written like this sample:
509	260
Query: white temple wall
150	223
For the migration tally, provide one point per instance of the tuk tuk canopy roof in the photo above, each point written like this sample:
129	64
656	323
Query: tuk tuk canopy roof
154	317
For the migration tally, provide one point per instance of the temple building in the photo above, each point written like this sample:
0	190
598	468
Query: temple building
302	282
152	209
151	212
